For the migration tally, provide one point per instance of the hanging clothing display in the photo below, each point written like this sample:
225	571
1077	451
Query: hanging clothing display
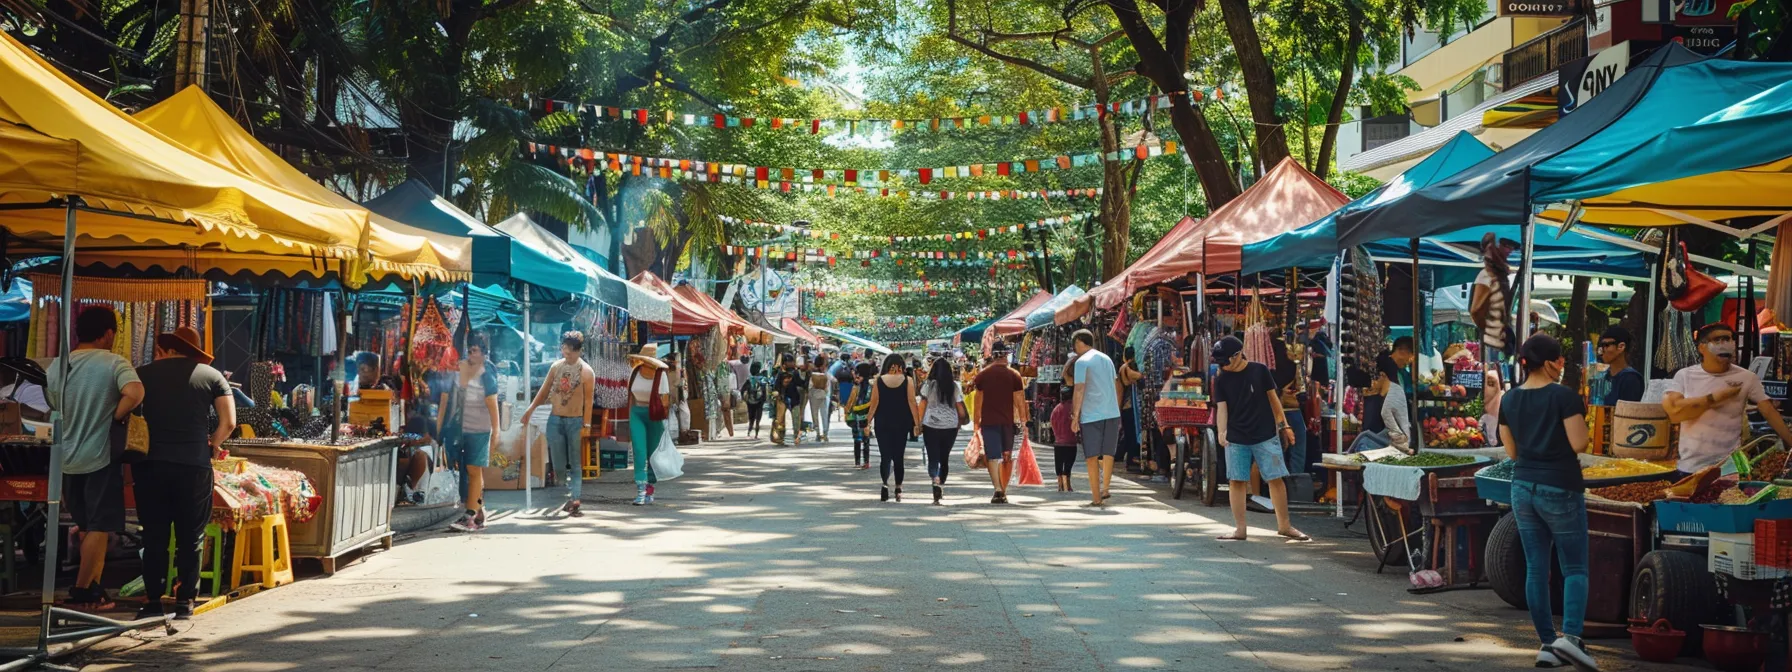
297	322
1361	311
1157	358
1257	340
145	309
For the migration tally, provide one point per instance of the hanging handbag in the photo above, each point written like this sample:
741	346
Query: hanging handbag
1699	288
1673	270
656	404
136	442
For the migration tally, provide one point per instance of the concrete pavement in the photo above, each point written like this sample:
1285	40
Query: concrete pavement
767	558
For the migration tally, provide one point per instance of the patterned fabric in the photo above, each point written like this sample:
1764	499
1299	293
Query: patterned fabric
1157	357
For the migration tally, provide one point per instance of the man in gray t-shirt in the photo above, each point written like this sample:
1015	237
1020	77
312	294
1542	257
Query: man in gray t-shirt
101	390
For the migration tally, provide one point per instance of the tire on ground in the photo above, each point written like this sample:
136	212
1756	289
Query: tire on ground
1674	585
1505	561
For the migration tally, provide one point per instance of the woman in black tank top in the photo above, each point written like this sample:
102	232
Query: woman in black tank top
893	420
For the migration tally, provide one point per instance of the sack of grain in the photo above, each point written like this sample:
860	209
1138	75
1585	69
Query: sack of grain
1640	431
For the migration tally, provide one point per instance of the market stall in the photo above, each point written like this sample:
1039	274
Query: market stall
1015	321
849	339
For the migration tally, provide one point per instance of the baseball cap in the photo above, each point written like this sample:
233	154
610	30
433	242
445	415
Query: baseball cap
1225	348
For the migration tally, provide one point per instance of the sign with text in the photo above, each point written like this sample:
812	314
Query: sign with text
1473	379
1539	7
1588	77
1703	13
1705	40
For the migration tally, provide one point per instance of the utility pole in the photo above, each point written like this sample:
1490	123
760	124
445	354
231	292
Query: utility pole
190	44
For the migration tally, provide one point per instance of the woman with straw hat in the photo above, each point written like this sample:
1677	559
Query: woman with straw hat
647	381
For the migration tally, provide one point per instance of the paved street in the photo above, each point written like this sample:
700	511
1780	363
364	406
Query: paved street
766	558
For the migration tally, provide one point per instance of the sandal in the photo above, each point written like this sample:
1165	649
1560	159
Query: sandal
1297	536
1232	536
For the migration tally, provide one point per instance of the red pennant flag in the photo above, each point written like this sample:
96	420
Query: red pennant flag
746	122
818	174
719	121
814	126
852	176
1143	152
1004	169
1023	119
926	175
761	173
641	117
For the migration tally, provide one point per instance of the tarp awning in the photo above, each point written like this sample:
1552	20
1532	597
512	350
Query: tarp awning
1016	320
497	256
849	339
801	332
1671	88
725	317
193	120
973	333
1044	315
600	284
687	319
59	140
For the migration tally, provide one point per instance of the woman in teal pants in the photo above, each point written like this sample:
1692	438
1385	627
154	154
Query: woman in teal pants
647	380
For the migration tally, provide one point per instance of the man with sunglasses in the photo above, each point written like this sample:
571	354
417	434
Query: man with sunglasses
1707	402
1627	383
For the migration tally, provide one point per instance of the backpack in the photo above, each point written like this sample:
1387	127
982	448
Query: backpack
754	392
843	374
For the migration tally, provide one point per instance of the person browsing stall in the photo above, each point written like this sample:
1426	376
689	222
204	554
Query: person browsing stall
1250	425
173	483
1707	401
567	390
1627	383
1095	413
650	376
101	389
1543	426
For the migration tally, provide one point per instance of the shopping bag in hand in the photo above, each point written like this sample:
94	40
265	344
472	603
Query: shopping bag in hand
667	463
1029	467
973	452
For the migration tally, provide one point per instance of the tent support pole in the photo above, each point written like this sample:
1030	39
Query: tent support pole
1649	323
1528	237
528	441
52	538
1337	328
1418	339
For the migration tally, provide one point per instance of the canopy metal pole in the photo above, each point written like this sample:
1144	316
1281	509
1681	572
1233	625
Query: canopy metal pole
1649	323
1337	329
1412	402
528	424
52	517
343	321
1528	236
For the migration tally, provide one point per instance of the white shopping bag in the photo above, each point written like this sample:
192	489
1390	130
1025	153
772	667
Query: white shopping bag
667	462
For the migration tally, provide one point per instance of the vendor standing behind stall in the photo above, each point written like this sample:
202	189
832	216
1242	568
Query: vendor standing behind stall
1706	401
1543	425
1627	383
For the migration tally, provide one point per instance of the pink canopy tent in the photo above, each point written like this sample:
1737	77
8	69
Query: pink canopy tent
1016	320
687	318
1287	198
802	333
731	322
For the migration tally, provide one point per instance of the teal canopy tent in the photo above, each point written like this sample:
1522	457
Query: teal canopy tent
1045	315
497	257
850	339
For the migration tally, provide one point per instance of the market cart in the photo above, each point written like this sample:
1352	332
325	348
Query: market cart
1422	511
1194	448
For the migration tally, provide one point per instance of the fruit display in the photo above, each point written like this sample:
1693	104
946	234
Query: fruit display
1622	468
1457	432
1768	467
1437	383
1426	460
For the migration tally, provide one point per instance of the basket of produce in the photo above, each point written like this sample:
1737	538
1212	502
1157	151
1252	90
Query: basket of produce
1723	505
1434	461
1634	492
1494	483
1173	416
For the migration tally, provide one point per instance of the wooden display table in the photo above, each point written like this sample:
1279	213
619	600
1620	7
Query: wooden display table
356	482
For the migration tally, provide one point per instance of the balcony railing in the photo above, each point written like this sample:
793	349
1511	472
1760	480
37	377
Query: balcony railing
1544	53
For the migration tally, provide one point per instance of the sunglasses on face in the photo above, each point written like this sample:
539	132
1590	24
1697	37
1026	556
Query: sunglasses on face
1721	339
1608	344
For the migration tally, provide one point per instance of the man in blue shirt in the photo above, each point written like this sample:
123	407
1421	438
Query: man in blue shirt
1627	383
841	372
1095	412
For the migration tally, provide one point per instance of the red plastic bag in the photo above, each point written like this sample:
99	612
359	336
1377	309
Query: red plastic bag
1029	466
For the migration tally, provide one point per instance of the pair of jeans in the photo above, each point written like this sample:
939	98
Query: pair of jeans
1370	441
861	440
1295	456
892	443
820	411
754	413
1550	516
939	450
177	499
564	446
644	436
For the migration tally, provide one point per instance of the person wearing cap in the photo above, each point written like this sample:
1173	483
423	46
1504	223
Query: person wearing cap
1250	424
1627	383
173	483
649	377
1706	400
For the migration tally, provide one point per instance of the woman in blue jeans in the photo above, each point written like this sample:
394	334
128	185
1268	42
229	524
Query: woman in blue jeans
1543	427
644	431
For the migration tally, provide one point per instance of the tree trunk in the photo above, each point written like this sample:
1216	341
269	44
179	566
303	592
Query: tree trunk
1161	61
1116	199
1259	81
1346	78
1203	151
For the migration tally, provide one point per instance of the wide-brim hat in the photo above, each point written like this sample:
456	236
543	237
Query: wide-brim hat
184	340
648	355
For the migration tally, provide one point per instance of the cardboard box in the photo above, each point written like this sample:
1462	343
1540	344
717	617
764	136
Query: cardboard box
506	470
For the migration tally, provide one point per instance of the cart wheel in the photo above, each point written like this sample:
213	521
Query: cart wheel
1210	467
1179	464
1384	527
1505	561
1675	585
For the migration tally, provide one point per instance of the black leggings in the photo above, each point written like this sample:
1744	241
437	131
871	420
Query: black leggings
939	450
1063	458
754	413
892	443
861	441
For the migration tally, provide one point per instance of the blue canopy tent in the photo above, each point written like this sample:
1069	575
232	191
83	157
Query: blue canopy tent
973	333
497	257
15	304
1045	316
850	339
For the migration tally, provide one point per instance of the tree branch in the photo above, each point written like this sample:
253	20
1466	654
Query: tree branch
733	33
1020	61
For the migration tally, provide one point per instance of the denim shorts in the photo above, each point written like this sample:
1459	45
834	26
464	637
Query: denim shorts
997	440
1267	456
472	449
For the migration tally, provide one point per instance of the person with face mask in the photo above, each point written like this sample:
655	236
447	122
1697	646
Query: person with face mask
1707	401
1542	425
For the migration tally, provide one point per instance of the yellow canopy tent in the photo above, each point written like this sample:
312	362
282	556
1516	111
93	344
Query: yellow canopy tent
1758	191
136	187
192	119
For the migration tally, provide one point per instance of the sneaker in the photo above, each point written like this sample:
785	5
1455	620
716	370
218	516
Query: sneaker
151	610
572	509
91	598
641	498
1546	657
480	519
464	524
183	610
1570	649
417	497
884	494
938	493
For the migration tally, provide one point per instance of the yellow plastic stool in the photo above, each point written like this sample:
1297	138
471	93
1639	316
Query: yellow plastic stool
263	549
592	458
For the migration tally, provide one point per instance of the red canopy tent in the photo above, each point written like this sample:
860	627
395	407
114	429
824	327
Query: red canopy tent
1016	320
727	318
797	329
1287	198
688	319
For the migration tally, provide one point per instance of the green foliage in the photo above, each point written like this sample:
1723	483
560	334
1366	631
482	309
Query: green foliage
1354	185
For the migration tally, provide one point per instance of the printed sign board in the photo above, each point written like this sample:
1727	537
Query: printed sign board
1588	77
1539	7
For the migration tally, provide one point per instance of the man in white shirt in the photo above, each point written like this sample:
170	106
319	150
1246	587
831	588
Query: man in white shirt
1707	401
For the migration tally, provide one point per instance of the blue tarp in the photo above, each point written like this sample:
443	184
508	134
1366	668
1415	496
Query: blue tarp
599	282
973	333
1043	316
846	338
1673	87
497	257
15	304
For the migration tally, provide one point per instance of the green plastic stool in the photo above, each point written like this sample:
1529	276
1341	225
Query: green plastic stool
214	537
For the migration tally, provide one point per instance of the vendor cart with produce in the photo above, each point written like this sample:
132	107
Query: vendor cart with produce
1185	415
1422	510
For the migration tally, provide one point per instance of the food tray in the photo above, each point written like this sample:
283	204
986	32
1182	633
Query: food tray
1689	518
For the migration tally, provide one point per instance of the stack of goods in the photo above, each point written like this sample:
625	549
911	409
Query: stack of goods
1360	285
1502	470
246	491
1453	432
1635	493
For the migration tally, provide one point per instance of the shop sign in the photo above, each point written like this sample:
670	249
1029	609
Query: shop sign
1539	7
1601	23
1588	77
1473	379
1706	40
1703	12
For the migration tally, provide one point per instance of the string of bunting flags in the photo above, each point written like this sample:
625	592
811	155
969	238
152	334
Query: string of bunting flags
897	321
1047	223
871	126
900	257
829	179
922	286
